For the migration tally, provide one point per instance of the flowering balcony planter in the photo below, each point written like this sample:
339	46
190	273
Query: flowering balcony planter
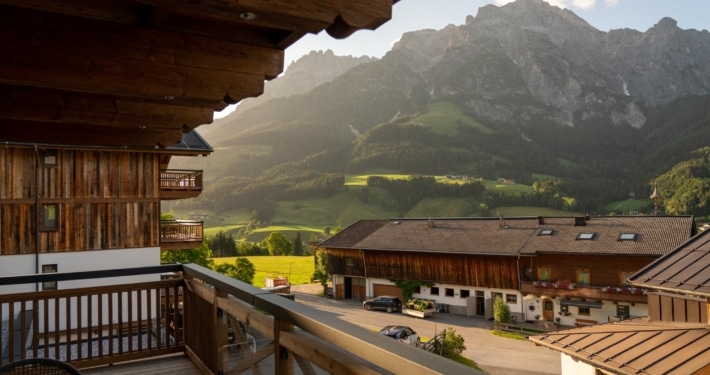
548	284
624	290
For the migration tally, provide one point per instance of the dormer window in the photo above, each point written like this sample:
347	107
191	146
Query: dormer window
586	236
627	237
546	232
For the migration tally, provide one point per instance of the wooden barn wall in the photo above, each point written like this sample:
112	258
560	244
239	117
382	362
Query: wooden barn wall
604	270
468	270
106	200
346	262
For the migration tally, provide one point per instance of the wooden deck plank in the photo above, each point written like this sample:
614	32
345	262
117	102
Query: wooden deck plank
176	364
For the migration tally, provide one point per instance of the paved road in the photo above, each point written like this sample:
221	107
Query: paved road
495	355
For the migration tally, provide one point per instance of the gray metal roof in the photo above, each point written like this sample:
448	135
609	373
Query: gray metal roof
193	143
637	346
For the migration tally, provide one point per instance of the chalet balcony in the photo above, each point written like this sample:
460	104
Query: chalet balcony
587	292
196	321
180	184
180	234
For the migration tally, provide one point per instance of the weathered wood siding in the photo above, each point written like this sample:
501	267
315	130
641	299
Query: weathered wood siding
106	200
469	270
346	262
603	269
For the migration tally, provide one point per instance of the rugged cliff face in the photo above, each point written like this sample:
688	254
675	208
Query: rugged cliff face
528	60
301	76
522	89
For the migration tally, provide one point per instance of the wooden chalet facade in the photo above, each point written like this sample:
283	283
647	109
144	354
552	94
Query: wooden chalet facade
564	269
674	338
67	208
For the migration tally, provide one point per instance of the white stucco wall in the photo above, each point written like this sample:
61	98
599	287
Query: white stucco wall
571	366
456	299
77	261
599	314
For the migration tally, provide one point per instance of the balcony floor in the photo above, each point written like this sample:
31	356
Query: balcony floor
176	364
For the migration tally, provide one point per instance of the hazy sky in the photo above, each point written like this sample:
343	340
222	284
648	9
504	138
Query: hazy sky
410	15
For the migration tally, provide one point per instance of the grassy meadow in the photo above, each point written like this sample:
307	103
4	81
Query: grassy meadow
298	269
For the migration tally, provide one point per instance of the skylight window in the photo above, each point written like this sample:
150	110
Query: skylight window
546	232
627	237
586	236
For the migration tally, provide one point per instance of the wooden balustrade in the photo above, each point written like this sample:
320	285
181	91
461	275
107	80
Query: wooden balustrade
180	234
92	326
180	184
193	314
181	179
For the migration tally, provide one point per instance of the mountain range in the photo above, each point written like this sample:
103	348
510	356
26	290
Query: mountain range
519	91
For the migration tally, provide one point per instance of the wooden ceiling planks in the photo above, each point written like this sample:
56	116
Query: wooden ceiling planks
139	73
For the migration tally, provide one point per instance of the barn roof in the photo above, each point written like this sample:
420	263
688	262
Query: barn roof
139	73
652	235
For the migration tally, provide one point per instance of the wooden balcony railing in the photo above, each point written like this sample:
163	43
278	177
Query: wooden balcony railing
588	292
193	314
180	234
180	184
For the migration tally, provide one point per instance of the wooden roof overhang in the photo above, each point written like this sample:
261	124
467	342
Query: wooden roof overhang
138	74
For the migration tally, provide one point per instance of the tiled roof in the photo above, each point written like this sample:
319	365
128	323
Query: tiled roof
635	346
656	235
475	236
350	236
685	269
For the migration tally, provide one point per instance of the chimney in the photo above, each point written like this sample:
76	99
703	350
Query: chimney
430	223
580	221
540	220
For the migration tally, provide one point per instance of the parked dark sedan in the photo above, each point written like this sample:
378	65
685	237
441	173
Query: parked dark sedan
402	334
387	303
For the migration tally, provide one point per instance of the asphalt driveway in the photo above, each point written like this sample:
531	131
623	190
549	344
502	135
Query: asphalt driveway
495	355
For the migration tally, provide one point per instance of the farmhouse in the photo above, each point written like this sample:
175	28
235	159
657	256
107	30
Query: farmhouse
672	339
570	270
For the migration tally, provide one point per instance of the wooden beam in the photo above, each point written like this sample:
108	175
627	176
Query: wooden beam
51	52
77	108
86	135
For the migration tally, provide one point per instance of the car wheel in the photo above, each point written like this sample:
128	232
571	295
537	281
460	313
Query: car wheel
389	309
368	307
418	343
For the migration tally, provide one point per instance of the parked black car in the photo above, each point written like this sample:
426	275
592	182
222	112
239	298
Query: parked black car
387	303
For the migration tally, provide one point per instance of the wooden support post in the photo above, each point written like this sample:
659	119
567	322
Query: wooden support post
220	330
282	358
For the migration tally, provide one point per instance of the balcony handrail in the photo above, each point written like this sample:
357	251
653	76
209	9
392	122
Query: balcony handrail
181	230
320	333
184	179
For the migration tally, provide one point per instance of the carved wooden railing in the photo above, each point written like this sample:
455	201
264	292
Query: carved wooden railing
193	314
